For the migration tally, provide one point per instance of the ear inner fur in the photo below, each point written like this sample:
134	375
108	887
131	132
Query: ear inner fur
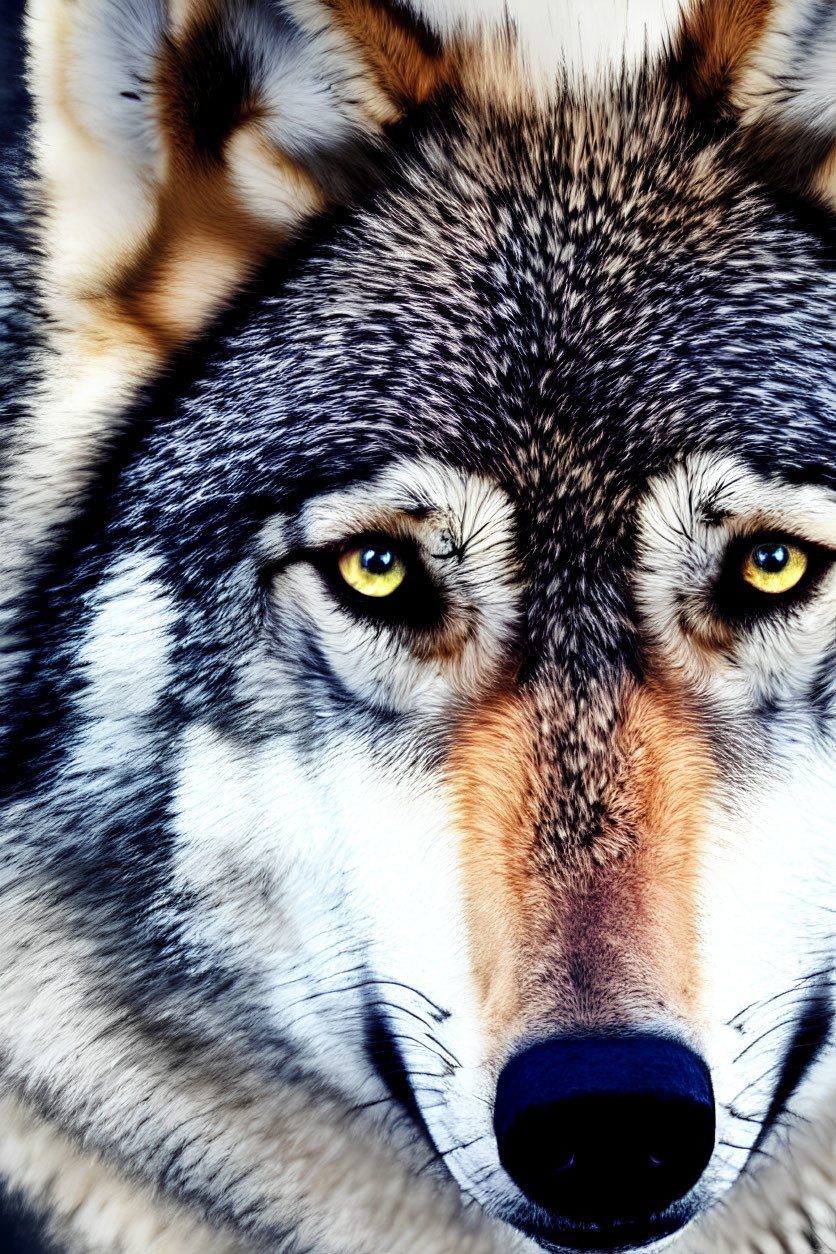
407	60
240	198
159	202
203	214
715	40
771	65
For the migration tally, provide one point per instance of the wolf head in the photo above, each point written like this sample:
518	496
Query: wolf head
431	705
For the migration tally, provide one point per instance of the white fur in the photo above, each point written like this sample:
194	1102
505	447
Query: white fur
276	858
92	1205
126	651
348	848
769	851
582	38
59	1038
791	75
788	84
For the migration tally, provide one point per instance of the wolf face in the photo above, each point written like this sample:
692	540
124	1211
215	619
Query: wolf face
430	710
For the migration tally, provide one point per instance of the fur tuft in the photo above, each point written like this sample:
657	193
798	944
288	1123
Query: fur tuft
771	65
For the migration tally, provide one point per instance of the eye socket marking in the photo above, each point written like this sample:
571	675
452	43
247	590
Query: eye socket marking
768	572
372	567
774	566
377	577
374	578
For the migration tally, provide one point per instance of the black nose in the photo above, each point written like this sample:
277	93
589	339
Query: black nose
605	1130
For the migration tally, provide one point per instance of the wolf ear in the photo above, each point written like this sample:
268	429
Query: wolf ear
180	141
771	65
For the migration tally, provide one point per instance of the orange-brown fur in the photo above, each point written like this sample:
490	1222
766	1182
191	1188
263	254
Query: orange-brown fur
715	40
572	937
824	183
205	242
667	778
203	239
407	60
495	790
202	248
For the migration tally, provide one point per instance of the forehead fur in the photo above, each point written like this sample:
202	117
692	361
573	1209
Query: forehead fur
535	293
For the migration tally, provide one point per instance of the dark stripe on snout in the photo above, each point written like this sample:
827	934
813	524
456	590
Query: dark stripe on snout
809	1039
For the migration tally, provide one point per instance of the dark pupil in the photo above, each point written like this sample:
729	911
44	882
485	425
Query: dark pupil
377	561
771	558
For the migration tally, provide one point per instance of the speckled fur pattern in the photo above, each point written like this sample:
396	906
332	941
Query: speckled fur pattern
286	878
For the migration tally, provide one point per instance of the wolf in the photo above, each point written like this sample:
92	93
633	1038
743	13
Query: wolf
418	607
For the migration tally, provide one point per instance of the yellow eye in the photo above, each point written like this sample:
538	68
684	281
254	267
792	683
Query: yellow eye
373	569
774	566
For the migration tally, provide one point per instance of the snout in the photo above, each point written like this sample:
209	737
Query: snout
606	1134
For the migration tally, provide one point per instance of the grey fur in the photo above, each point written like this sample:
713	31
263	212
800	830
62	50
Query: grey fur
565	301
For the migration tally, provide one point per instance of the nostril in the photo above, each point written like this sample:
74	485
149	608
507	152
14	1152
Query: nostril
605	1129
